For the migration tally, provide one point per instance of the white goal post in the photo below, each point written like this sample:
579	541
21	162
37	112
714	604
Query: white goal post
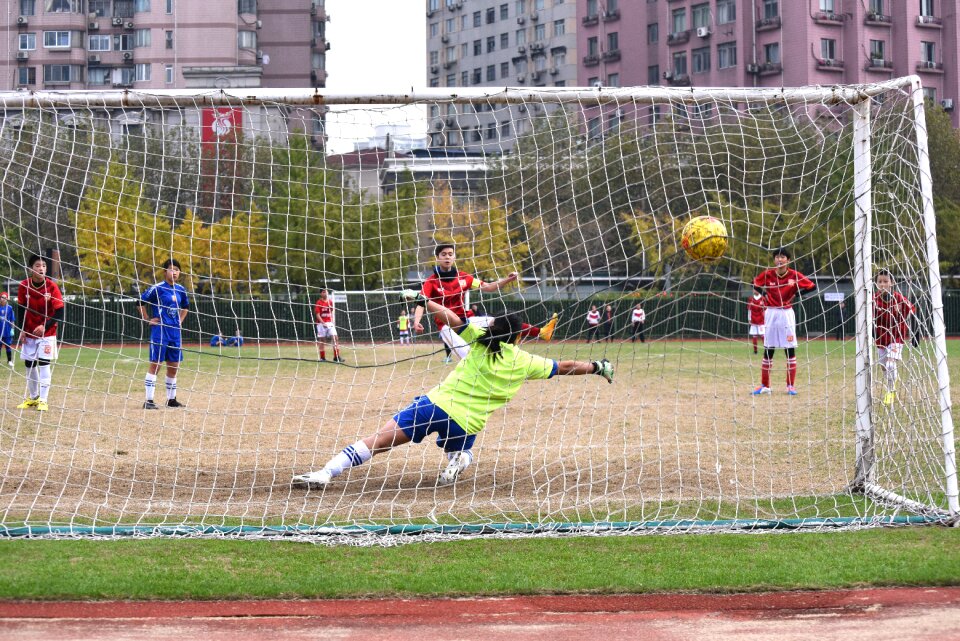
267	196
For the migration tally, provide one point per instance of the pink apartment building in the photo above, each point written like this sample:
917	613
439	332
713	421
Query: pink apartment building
769	43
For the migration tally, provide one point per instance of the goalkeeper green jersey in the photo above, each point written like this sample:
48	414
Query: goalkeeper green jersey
482	383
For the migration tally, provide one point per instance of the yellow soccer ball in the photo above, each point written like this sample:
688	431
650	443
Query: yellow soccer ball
704	239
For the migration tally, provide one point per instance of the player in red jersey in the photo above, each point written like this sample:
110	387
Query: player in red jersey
323	316
891	311
447	286
41	308
780	286
755	308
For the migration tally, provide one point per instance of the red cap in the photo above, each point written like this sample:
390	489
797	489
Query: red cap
4	295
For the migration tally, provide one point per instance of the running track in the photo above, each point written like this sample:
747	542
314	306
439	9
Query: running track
903	614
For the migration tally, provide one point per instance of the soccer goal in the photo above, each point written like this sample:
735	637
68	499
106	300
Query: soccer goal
267	197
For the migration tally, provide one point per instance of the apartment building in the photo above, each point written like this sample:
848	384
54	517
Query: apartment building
769	43
496	43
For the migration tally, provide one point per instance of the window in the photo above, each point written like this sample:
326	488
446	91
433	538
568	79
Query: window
464	50
450	24
434	82
504	11
726	11
247	6
592	8
142	38
477	19
540	32
613	41
928	52
504	40
539	5
520	65
477	76
169	8
56	40
122	43
559	27
168	39
26	75
593	82
168	74
464	22
433	5
434	57
521	37
434	29
613	5
521	7
100	43
491	73
61	6
771	9
615	118
827	6
491	44
700	60
451	80
60	73
505	128
926	7
876	6
504	69
613	80
28	8
491	15
100	8
143	6
245	39
492	131
727	55
98	76
679	20
593	128
559	59
593	46
680	63
930	93
478	47
828	48
540	63
450	54
701	15
771	53
877	50
653	33
142	72
28	41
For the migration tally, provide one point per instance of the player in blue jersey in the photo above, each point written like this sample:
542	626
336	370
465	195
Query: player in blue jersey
8	321
164	306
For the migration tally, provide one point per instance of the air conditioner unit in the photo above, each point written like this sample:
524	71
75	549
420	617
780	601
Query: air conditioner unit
751	68
128	55
522	109
116	22
458	5
23	55
22	21
434	68
703	32
93	26
128	25
536	46
444	38
259	54
259	24
534	16
438	125
92	15
947	104
536	75
598	84
522	78
668	75
451	122
520	20
93	59
521	49
554	71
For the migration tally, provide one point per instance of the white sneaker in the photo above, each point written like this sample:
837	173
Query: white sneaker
314	479
459	462
10	363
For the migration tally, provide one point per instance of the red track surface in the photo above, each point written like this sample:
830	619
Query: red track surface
904	614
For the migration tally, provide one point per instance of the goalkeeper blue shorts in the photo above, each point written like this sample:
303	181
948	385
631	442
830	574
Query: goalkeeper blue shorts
421	417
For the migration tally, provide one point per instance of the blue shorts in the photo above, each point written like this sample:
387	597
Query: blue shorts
168	351
422	417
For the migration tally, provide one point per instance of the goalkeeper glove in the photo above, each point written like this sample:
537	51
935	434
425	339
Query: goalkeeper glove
603	368
412	296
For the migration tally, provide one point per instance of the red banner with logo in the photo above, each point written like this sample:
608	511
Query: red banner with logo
219	124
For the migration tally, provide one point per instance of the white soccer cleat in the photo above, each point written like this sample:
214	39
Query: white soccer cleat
314	479
459	462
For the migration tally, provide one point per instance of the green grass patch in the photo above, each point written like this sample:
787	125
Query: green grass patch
229	569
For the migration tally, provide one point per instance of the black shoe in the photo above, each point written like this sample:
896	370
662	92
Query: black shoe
174	403
150	405
338	360
323	359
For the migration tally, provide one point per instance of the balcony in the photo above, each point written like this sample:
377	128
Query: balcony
768	24
829	18
829	64
931	22
878	20
879	64
770	68
928	66
679	80
611	56
589	21
678	37
591	60
610	16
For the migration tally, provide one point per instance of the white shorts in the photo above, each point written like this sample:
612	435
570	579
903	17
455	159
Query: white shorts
892	352
780	328
404	332
755	330
452	339
35	349
326	330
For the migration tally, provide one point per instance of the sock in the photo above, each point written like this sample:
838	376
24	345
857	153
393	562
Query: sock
765	366
791	370
171	388
323	353
150	384
891	373
528	331
754	344
469	454
33	382
44	376
351	456
336	353
9	354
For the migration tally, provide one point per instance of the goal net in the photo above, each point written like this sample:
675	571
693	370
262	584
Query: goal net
267	197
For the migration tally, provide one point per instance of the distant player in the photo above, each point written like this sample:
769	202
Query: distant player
325	318
780	286
447	287
8	322
458	408
593	323
41	309
608	324
891	313
403	326
755	309
638	318
164	306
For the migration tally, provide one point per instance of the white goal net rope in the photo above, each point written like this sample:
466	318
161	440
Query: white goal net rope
267	198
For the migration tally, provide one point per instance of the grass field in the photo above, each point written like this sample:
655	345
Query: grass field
677	436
